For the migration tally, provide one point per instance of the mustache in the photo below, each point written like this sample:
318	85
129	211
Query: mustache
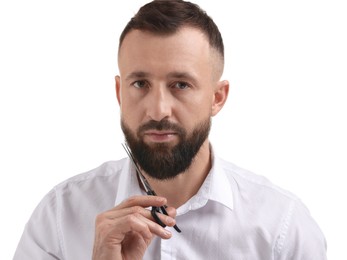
163	124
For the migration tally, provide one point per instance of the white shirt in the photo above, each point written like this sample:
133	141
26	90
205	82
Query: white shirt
235	215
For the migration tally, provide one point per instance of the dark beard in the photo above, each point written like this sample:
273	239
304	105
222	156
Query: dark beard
161	161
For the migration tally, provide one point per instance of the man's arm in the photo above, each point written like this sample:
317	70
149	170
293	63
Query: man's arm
40	239
300	236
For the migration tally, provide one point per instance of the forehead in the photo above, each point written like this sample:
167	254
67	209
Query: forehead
185	31
186	47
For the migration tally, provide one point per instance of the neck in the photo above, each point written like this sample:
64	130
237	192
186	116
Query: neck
180	189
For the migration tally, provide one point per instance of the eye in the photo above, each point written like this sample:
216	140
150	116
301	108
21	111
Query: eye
140	84
180	85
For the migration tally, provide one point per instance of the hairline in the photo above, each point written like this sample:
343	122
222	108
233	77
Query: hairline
216	56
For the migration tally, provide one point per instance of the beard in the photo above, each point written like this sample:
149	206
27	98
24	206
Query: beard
163	161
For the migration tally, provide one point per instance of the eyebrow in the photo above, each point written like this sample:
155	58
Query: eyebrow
174	74
182	75
137	74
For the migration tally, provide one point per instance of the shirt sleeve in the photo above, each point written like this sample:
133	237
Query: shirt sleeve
40	239
300	236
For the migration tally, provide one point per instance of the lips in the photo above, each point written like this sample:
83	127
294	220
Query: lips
157	132
159	136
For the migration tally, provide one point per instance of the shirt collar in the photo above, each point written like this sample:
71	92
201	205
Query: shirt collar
216	187
220	189
128	184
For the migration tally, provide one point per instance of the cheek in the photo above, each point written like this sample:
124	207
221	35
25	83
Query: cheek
194	112
201	104
130	103
130	114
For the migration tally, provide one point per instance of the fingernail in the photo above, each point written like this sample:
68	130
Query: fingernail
160	199
167	233
170	221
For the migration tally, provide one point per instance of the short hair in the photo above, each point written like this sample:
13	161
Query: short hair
165	17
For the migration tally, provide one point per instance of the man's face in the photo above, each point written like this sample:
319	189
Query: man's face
167	94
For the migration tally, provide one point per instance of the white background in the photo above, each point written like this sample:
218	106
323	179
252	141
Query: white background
285	117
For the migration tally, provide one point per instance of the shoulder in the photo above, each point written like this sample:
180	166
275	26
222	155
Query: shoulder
106	172
95	189
247	182
275	211
257	198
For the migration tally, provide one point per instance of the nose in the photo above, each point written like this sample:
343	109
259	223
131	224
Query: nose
158	103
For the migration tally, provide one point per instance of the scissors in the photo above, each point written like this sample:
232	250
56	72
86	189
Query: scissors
149	191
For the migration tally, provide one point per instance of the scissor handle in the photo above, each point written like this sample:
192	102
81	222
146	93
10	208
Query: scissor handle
162	210
155	216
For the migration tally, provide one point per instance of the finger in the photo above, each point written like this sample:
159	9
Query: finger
162	219
171	211
140	224
121	212
113	214
158	230
135	201
143	201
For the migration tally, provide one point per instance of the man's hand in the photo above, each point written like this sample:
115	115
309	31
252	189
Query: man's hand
126	231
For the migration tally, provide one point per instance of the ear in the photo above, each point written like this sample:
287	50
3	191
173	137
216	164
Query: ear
220	96
117	79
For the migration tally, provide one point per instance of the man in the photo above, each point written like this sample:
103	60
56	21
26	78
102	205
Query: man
170	59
